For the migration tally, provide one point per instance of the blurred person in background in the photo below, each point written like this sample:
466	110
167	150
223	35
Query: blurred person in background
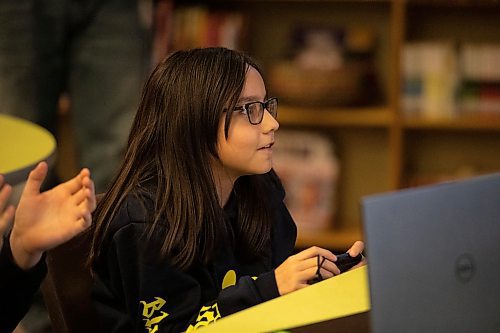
97	52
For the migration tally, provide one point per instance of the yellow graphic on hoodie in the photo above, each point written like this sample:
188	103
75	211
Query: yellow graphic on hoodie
210	314
151	316
229	279
207	315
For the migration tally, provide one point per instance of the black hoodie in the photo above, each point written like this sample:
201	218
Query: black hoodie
136	292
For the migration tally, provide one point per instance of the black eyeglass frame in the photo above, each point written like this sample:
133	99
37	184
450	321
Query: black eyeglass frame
264	105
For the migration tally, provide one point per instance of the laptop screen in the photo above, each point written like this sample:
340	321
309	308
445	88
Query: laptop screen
434	257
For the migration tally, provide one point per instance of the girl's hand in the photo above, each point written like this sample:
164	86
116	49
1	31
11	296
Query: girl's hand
296	270
356	249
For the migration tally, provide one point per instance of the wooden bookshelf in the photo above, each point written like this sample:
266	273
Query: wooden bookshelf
456	123
380	148
335	117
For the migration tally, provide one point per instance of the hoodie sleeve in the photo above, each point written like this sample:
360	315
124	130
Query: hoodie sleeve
17	288
137	294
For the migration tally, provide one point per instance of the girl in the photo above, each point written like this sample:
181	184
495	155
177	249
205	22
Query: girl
194	227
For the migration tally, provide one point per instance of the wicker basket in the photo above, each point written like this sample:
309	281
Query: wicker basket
314	87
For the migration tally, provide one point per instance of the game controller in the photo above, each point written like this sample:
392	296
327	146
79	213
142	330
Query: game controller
345	261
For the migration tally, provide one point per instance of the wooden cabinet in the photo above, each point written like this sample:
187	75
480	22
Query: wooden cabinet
380	148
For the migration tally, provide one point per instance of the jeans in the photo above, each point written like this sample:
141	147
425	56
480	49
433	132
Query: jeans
96	51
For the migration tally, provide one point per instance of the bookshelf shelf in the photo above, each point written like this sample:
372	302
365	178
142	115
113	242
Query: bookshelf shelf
335	117
458	123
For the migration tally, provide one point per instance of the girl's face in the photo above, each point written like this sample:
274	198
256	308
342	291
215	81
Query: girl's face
248	148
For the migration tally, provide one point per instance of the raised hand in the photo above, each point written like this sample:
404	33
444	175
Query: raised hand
48	219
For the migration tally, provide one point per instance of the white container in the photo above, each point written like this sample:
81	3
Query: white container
309	170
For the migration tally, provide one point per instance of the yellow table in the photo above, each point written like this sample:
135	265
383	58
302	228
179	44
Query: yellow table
22	145
346	295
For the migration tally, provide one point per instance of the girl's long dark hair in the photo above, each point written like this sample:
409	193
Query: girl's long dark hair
173	138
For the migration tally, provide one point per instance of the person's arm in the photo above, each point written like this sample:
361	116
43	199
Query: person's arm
17	288
16	285
42	221
135	293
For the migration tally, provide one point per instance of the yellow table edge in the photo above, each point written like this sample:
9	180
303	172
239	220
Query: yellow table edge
343	295
23	145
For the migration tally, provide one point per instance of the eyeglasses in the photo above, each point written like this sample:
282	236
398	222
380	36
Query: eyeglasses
255	110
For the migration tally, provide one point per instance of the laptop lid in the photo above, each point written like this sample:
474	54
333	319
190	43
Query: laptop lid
434	257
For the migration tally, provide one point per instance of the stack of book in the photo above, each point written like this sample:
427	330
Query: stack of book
191	26
442	80
430	79
480	88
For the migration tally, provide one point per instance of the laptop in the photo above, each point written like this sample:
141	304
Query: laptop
434	257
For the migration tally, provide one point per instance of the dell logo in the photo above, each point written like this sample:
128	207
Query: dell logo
464	268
